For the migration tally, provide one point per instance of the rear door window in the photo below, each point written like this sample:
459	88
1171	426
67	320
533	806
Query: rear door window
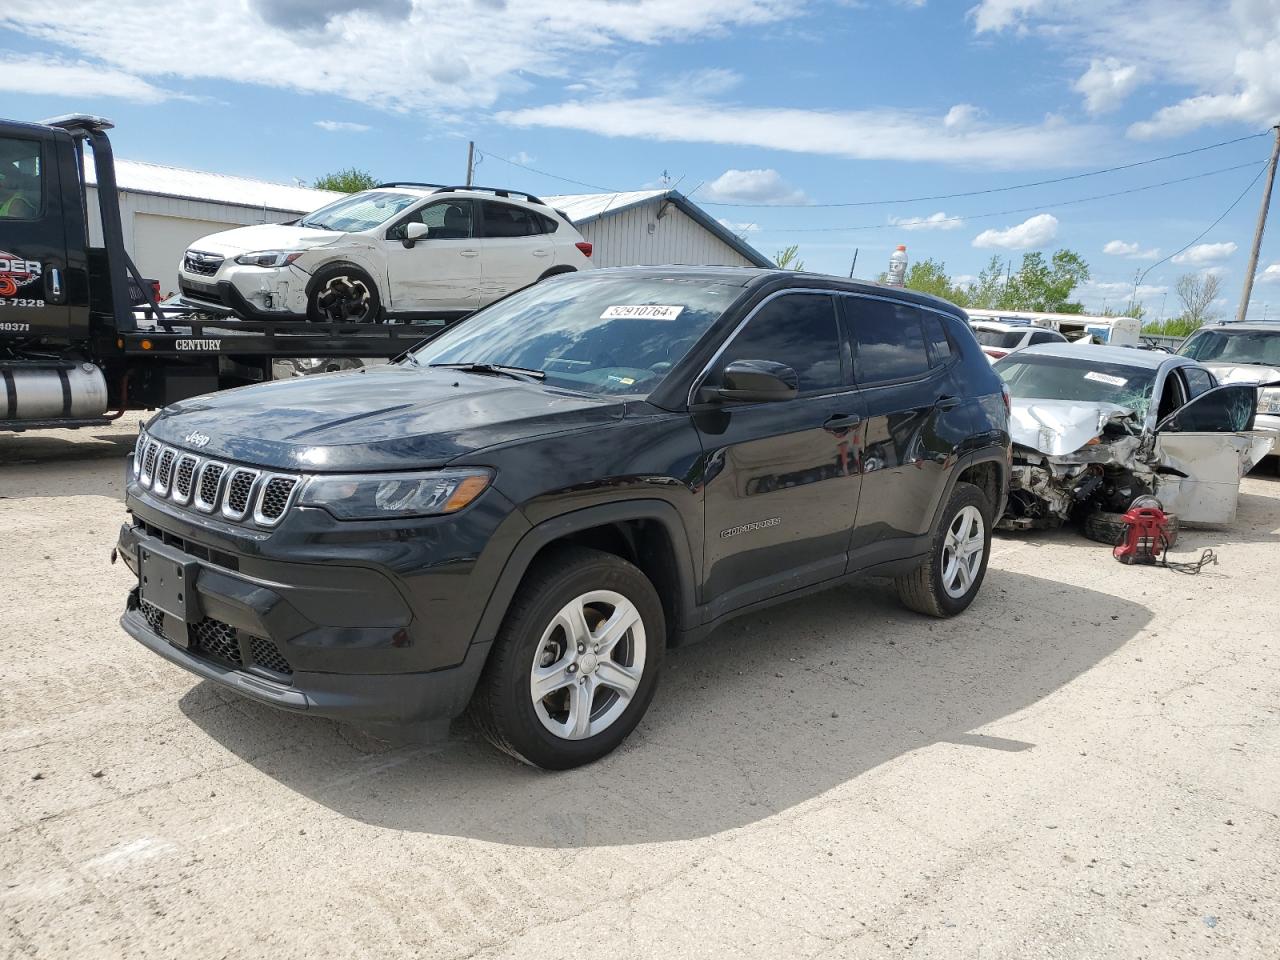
797	329
1198	380
888	340
21	179
505	220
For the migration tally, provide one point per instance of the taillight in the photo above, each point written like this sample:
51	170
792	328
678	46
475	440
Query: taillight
584	246
1008	399
996	354
155	289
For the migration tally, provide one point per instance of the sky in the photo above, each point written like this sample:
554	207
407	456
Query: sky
769	113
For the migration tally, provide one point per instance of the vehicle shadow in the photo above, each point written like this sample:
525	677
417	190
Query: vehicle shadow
41	447
770	712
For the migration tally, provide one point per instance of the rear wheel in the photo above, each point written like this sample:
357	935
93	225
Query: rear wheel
946	583
343	294
576	662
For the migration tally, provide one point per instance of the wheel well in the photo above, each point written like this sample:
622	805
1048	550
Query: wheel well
987	477
557	270
645	543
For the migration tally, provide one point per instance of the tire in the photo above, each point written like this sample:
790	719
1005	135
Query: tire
931	588
342	293
1105	527
534	642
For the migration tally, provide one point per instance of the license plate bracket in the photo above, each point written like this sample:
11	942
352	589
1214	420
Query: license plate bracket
167	580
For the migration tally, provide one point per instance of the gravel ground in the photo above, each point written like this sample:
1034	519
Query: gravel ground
1083	765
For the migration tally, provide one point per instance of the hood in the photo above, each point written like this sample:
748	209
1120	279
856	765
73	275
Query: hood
264	236
377	418
1059	427
1242	372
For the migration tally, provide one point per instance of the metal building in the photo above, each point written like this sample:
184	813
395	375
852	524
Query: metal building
163	210
650	227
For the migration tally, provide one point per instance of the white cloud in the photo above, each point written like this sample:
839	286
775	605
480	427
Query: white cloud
964	280
1271	274
428	58
1203	254
342	126
739	228
935	221
857	134
999	14
76	79
522	158
1106	84
1033	232
962	114
752	186
1133	251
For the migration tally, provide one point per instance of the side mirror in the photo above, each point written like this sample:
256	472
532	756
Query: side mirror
758	381
414	231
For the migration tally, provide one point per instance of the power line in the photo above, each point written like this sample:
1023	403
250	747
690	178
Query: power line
979	193
553	176
1005	213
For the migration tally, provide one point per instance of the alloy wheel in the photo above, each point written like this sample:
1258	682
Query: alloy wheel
962	552
344	299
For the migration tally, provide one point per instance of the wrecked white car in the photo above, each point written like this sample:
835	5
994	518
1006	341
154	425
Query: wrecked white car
1095	428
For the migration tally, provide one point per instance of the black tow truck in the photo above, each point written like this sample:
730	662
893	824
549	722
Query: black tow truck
77	348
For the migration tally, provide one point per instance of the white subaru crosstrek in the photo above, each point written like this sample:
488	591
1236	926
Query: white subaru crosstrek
402	250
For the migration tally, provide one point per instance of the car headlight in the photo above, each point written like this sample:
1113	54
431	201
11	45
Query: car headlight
1269	400
268	258
386	495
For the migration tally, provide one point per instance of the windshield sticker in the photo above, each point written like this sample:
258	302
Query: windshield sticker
648	311
1106	378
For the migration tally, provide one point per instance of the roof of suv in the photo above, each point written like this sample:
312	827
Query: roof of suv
1123	356
1249	326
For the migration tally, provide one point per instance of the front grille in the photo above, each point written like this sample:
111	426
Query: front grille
204	264
268	656
164	471
237	493
189	547
216	640
275	498
210	480
239	490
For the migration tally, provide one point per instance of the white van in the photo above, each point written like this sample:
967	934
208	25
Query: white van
1076	327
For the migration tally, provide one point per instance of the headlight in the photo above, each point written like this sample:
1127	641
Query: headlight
1269	400
385	495
268	258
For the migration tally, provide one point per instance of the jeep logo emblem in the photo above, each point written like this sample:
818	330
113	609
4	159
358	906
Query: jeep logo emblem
196	439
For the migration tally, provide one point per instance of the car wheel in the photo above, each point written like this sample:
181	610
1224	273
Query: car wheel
576	662
1103	526
946	583
343	294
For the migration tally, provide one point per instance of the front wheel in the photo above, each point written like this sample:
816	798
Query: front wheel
576	663
343	294
946	583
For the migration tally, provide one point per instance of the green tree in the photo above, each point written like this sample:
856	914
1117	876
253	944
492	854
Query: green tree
788	258
930	276
1046	285
1197	291
351	180
985	293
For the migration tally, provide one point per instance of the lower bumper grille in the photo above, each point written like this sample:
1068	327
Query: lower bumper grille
223	643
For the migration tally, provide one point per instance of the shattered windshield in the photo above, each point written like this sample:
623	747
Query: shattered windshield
1234	346
1033	377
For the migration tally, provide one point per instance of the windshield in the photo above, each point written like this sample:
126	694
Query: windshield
999	338
1234	346
1032	377
619	335
361	211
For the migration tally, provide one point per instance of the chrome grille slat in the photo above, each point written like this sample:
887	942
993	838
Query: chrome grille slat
164	471
209	486
242	494
275	496
149	462
238	492
184	475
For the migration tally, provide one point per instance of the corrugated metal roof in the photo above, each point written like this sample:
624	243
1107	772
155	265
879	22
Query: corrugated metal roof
154	178
584	208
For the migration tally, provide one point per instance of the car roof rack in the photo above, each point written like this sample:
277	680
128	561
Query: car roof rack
451	188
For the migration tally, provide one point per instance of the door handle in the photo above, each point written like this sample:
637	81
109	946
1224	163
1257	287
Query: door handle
947	403
469	253
841	421
54	285
541	252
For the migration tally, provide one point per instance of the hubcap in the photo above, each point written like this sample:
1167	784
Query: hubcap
962	552
588	665
344	298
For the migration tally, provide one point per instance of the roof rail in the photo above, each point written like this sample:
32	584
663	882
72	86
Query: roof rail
81	123
450	188
407	183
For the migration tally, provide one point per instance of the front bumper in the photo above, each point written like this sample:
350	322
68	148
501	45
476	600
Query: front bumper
255	293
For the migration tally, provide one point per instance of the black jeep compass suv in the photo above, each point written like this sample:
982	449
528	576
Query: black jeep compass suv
522	514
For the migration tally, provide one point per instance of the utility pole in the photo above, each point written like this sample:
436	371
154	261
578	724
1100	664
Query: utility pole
853	266
471	160
1257	234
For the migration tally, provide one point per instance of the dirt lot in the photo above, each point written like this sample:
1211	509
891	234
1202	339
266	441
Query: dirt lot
1084	765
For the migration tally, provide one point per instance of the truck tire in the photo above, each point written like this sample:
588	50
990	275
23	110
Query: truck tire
576	661
946	583
342	293
1105	527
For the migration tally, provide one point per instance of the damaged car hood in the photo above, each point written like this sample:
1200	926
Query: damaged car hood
1059	427
1242	372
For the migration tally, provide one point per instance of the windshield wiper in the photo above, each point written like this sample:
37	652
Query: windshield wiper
524	374
317	226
